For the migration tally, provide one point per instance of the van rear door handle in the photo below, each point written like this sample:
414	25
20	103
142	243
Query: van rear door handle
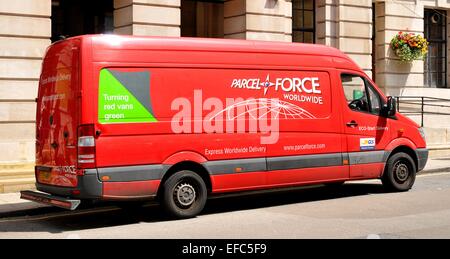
352	124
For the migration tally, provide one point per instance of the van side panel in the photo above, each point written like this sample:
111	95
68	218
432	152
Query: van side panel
171	94
276	179
306	144
130	190
210	111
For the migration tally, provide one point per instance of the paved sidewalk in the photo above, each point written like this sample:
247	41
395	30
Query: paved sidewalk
437	165
11	202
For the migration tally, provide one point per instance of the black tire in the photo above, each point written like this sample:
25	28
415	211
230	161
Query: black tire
184	195
400	173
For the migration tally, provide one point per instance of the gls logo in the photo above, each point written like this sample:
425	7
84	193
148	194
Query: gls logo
367	143
309	85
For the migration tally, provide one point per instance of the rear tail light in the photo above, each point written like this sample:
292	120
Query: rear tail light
86	141
86	147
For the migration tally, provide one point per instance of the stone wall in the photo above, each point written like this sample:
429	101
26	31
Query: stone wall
147	17
391	17
258	20
25	33
347	25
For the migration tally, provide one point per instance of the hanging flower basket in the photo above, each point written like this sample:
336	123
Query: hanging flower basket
409	46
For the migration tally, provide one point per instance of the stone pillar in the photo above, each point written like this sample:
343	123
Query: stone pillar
258	20
355	31
147	17
448	57
391	17
327	25
25	34
347	25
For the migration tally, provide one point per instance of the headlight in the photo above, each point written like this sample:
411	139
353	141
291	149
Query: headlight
422	133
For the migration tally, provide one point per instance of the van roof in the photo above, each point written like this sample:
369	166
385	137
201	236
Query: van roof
208	44
105	45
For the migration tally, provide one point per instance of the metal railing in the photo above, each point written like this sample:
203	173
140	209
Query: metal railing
422	106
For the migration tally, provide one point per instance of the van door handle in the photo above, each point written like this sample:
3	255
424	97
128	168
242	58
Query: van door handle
352	124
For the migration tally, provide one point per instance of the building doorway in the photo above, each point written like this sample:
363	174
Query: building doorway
436	61
75	17
202	18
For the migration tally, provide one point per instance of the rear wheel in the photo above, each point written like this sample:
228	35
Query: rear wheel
400	173
184	195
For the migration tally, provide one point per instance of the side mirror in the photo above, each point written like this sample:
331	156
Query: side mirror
390	108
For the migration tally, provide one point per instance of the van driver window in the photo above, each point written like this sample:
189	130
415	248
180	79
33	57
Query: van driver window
361	95
355	92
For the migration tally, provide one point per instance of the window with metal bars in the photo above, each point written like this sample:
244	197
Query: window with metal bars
436	60
303	21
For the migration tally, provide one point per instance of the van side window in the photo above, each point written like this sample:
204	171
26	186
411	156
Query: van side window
360	94
355	92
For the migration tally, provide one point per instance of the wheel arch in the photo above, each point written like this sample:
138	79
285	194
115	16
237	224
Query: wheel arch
190	166
404	149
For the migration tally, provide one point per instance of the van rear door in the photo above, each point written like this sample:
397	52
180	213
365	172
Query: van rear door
57	116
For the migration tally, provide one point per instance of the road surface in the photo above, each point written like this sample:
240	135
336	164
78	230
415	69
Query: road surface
354	210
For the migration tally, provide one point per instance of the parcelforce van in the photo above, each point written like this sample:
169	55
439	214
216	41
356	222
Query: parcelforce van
134	118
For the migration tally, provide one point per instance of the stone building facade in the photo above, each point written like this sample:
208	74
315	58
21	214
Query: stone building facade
360	28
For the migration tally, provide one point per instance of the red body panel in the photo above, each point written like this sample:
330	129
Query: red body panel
130	190
367	171
185	156
239	182
276	179
307	176
58	114
180	68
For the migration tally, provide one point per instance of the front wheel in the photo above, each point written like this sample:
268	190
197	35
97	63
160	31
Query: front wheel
400	173
184	195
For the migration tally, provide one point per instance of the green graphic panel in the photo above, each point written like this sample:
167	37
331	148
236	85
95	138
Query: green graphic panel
117	105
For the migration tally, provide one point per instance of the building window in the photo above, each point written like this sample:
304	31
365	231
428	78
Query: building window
202	18
303	21
435	62
73	18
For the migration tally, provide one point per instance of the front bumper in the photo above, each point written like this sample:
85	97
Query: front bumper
422	158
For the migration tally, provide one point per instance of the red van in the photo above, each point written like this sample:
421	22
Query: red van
180	119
